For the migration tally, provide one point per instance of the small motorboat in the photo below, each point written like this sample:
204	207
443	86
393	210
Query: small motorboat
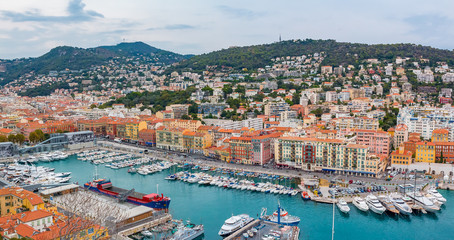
343	206
147	233
305	195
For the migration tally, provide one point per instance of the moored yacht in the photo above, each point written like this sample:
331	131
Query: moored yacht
400	204
234	223
343	206
433	192
374	204
188	232
423	201
387	203
360	204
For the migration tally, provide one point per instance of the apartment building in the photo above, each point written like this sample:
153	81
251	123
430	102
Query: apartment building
378	142
170	138
401	156
425	120
275	108
425	152
357	123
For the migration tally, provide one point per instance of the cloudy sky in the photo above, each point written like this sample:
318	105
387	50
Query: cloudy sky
30	28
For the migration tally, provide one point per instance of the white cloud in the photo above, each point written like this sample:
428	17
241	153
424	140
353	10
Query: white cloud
31	28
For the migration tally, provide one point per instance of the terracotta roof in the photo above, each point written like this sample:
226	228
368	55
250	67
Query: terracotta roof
22	194
32	215
24	230
440	131
5	130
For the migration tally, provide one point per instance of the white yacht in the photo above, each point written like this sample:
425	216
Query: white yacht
374	204
433	192
188	232
423	201
360	204
400	204
234	223
343	206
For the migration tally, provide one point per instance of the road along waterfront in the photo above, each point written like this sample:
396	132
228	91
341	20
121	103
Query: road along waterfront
212	205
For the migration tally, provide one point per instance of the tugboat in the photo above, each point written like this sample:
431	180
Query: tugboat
280	216
152	200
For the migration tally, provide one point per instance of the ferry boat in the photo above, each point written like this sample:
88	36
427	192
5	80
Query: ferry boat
152	200
280	216
234	224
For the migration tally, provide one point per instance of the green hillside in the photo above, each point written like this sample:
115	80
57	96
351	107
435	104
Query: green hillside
72	58
337	53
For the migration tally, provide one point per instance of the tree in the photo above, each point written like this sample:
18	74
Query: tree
40	135
240	89
12	138
194	108
318	112
441	158
33	137
3	138
92	106
208	89
185	117
296	97
20	138
84	210
227	89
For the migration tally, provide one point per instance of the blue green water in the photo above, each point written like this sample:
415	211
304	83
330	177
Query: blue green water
211	205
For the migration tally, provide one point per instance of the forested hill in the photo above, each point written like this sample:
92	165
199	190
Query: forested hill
73	58
337	53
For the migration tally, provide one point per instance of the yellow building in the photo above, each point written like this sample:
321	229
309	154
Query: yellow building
440	135
401	156
196	141
170	138
425	152
14	198
222	153
133	127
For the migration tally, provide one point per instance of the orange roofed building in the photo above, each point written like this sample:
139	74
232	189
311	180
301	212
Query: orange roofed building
14	198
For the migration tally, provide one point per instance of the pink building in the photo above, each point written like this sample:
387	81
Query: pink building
261	149
378	142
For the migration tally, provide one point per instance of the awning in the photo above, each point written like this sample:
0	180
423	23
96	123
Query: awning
329	170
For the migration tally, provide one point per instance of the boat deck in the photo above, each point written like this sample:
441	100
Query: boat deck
122	190
265	228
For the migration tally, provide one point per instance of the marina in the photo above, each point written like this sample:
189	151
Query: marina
211	206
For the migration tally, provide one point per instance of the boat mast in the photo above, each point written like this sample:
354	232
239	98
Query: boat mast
279	214
405	181
414	189
332	231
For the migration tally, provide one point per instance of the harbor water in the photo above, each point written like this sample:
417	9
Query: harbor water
211	205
